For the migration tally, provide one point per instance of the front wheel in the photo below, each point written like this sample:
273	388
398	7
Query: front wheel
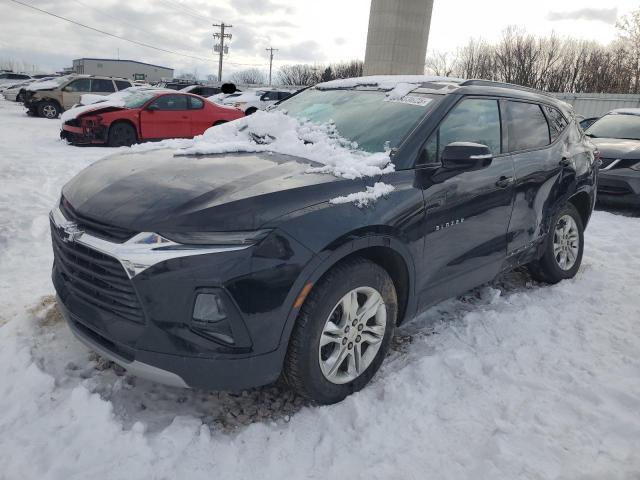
49	110
563	247
121	135
342	333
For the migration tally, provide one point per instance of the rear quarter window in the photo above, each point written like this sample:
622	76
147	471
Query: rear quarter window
527	126
557	121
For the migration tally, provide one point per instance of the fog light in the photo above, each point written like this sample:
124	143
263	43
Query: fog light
210	315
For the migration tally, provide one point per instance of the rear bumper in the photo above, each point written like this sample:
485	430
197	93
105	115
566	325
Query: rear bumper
620	187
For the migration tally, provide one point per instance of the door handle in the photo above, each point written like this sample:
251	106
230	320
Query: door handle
504	182
435	204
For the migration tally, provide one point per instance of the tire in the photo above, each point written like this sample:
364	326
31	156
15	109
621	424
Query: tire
250	111
565	241
48	109
319	372
121	134
20	97
219	122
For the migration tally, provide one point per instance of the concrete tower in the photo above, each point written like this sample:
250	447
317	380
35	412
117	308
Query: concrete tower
397	38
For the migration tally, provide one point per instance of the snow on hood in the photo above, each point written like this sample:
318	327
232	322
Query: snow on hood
91	102
276	132
385	82
48	84
626	111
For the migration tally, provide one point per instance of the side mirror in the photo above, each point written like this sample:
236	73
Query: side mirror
465	155
153	107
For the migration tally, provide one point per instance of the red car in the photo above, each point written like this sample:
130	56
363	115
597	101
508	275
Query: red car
137	115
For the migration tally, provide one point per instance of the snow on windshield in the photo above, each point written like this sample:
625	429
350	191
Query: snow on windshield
47	84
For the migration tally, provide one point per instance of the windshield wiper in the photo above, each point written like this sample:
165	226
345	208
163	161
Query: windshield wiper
591	135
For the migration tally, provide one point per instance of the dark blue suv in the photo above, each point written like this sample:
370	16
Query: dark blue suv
229	270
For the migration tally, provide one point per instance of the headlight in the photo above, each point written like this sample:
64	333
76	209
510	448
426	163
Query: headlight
218	238
636	166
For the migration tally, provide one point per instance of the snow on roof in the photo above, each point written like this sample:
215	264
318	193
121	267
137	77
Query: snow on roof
385	82
626	111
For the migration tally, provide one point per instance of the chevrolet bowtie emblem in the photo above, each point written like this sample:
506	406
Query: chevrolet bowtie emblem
70	232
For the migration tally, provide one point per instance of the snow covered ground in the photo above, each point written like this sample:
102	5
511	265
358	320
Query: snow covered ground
513	380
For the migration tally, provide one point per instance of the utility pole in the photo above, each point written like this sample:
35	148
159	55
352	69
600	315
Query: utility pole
270	50
221	36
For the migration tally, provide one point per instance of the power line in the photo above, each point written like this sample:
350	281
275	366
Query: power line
119	37
142	44
188	10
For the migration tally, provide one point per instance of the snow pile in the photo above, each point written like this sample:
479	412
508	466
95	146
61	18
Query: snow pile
276	132
363	199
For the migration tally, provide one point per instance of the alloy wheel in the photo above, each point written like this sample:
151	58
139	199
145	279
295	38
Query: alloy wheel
352	335
566	242
50	111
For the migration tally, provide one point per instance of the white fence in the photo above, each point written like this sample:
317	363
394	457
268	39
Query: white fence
597	104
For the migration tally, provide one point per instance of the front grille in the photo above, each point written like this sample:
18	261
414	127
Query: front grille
96	278
74	122
93	227
620	163
606	162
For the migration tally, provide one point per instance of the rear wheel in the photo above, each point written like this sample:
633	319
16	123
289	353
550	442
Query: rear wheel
251	111
20	97
563	247
49	109
122	134
343	332
219	122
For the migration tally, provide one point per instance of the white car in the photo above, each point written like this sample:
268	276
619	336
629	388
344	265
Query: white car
8	79
253	100
15	93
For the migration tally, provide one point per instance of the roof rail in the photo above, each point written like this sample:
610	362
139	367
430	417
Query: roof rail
492	83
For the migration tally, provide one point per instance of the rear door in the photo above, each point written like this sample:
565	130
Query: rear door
467	210
537	169
100	86
72	92
167	116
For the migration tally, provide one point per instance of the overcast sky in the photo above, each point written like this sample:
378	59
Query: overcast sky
302	30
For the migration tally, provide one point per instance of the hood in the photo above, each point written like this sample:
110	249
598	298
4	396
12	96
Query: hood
158	191
618	148
100	107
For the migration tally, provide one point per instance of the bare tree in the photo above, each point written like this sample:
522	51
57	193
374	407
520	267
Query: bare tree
440	64
298	75
629	28
252	76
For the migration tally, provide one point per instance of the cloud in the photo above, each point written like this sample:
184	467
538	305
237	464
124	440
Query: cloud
606	15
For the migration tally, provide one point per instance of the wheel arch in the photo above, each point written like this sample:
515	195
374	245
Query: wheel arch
583	203
384	250
124	120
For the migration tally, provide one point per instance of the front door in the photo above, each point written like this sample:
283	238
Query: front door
167	116
467	209
72	92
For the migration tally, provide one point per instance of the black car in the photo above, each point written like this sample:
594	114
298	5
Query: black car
617	136
227	271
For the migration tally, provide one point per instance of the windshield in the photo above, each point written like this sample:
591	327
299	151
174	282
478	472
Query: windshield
364	117
136	99
616	126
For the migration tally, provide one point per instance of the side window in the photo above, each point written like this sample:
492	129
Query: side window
102	85
196	103
527	125
557	122
79	85
474	120
122	84
171	102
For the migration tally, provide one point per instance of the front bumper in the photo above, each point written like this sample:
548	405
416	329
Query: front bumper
619	187
148	328
84	136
